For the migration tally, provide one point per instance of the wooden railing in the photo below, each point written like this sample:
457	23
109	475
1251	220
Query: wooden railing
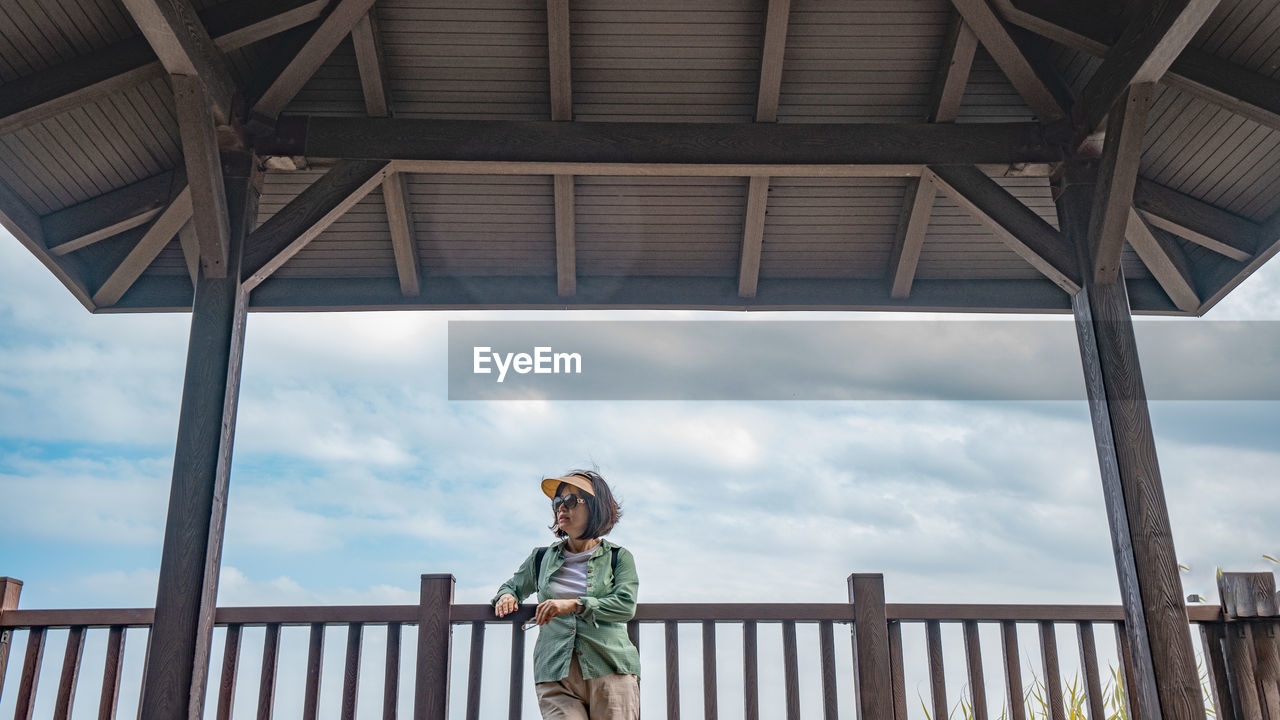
435	618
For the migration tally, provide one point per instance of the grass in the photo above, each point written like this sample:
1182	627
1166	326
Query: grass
1074	700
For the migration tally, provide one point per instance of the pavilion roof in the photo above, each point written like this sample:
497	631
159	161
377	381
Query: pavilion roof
760	154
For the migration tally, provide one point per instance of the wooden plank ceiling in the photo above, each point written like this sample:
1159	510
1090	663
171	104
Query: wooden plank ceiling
507	153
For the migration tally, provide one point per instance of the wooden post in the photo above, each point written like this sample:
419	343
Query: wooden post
873	684
1252	625
177	664
10	589
1155	618
435	635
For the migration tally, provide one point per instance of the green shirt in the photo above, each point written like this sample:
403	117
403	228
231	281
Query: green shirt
597	632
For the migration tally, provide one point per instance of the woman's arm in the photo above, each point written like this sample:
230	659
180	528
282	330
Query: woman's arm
522	584
619	605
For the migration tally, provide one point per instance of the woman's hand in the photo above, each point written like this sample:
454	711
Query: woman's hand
551	608
506	605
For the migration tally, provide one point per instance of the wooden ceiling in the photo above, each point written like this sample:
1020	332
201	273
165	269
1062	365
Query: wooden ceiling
726	154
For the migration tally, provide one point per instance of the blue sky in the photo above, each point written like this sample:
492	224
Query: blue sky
353	473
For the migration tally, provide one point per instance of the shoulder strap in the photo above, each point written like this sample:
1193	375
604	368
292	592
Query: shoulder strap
615	550
537	562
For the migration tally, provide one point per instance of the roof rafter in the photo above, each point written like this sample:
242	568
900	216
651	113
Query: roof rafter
953	72
148	247
307	215
1156	34
335	26
1195	72
109	214
23	223
560	69
1012	222
395	194
1203	224
772	53
35	98
917	208
1165	259
995	38
1117	174
373	75
1223	276
185	48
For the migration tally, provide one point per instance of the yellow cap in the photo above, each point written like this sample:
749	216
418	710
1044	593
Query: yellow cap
549	485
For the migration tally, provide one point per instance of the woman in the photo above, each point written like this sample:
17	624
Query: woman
584	664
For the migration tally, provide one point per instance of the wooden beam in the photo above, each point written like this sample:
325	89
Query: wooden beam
395	195
1163	668
185	48
588	145
1195	72
917	206
1201	223
38	97
1113	196
979	16
753	236
1157	32
373	74
566	243
106	215
1016	225
23	223
190	245
177	664
1165	259
559	62
204	173
1223	277
335	26
307	215
771	57
953	74
145	251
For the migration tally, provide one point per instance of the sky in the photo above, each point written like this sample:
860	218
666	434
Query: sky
354	473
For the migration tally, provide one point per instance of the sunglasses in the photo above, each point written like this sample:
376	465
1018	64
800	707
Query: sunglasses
568	502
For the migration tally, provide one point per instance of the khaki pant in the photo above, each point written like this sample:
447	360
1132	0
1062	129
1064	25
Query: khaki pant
611	697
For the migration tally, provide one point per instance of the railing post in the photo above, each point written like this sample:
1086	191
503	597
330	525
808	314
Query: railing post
10	589
872	676
1252	611
431	690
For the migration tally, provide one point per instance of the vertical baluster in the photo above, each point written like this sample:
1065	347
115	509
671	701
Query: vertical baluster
973	663
351	675
709	704
1126	673
895	668
750	672
315	660
227	687
1212	637
1089	661
267	681
790	666
937	676
514	707
70	672
1052	676
110	696
673	670
391	675
827	651
473	670
30	674
1012	670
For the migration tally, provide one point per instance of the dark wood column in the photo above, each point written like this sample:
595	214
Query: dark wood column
1164	665
178	660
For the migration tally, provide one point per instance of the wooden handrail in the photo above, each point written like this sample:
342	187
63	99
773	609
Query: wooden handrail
645	612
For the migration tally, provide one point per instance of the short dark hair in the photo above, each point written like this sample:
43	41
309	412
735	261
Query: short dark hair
603	510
